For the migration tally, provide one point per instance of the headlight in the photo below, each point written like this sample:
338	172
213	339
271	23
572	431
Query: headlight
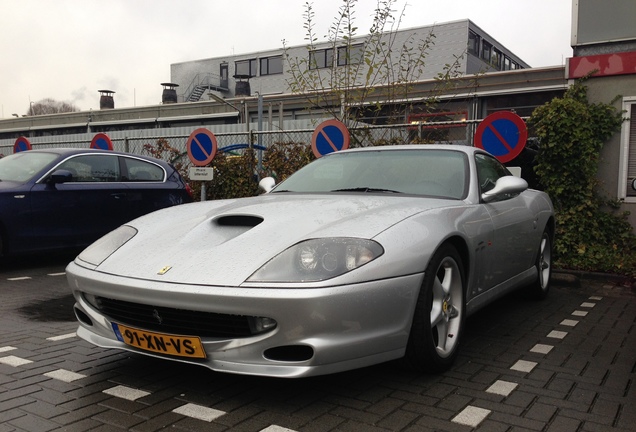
318	259
96	253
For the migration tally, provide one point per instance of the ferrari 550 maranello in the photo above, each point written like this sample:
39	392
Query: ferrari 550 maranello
363	256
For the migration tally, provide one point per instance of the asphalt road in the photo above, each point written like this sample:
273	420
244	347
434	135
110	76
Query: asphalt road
564	364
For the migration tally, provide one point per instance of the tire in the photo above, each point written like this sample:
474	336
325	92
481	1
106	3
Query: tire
439	317
541	287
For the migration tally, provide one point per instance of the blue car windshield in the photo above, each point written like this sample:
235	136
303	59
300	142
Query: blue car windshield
430	172
22	167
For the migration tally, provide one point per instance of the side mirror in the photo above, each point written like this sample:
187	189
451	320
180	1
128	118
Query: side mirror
60	176
634	184
267	184
504	186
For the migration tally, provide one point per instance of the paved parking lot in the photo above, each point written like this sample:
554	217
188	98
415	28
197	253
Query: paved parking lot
564	364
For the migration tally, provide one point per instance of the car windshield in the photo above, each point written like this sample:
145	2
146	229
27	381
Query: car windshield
430	172
22	167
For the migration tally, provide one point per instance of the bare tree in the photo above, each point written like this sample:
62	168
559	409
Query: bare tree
350	77
50	106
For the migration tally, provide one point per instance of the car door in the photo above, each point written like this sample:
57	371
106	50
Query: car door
78	212
149	188
512	224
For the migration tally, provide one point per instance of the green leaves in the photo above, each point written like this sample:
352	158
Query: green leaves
591	234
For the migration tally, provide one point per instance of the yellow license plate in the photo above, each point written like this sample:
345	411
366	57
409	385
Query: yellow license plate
180	346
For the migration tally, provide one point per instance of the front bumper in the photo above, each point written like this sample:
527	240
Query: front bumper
346	326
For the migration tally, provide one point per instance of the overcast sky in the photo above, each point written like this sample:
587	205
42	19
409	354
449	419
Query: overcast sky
67	50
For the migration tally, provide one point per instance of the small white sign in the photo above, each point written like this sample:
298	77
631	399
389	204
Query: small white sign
202	174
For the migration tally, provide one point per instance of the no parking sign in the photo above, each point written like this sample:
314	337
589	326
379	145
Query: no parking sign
201	146
502	134
21	144
330	136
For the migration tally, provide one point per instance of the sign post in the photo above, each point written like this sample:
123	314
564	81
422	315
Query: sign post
502	134
201	147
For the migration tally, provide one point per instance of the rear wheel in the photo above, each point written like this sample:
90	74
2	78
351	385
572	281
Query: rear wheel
439	314
540	288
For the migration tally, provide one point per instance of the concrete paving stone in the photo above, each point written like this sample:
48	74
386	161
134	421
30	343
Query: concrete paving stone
158	408
157	423
502	388
315	410
386	406
471	416
9	394
82	426
582	396
324	423
52	396
517	421
123	405
357	415
564	425
193	425
521	399
43	409
541	412
79	414
31	422
16	402
429	411
239	415
119	419
488	402
432	424
397	420
455	402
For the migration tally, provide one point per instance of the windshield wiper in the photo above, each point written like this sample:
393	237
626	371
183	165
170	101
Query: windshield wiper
366	189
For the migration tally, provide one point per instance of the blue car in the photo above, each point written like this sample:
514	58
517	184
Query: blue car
68	198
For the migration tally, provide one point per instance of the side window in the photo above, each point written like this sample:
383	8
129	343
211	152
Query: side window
489	170
93	168
142	171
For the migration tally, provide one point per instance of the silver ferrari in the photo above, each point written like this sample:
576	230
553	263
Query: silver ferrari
361	257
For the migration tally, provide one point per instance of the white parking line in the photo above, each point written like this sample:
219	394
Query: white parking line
569	323
524	366
127	393
57	274
471	416
7	348
64	375
14	361
555	334
502	388
61	337
21	278
199	412
541	348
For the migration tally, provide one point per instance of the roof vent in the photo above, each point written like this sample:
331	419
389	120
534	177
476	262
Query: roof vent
242	85
169	95
106	100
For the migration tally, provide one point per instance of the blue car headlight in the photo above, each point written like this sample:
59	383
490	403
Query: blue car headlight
318	259
97	252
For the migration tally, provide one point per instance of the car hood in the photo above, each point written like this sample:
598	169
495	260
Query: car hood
223	242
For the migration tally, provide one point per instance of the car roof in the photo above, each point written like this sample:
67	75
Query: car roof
67	151
425	147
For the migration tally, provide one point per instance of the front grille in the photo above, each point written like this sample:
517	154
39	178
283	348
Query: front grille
176	321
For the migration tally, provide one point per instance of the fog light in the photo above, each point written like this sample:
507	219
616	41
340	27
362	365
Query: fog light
261	324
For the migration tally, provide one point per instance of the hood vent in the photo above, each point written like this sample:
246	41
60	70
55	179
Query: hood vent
243	221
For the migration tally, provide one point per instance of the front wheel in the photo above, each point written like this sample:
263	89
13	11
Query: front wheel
540	288
439	315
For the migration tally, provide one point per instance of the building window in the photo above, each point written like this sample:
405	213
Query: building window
245	67
350	55
319	59
486	51
272	65
628	152
473	43
495	58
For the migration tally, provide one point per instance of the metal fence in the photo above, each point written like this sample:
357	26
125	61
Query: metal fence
135	141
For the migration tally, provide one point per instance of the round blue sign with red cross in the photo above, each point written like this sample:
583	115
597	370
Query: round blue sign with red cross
21	144
201	147
502	134
330	136
101	141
